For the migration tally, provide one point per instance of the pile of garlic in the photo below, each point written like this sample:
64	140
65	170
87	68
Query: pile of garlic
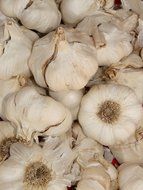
71	77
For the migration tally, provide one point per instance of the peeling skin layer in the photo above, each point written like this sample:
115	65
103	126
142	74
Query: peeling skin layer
109	112
5	146
37	175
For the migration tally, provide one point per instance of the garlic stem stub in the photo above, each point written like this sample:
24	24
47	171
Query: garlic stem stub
110	113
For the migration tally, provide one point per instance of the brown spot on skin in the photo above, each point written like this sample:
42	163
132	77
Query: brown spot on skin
109	112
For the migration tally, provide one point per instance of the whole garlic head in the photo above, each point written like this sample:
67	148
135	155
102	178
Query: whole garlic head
70	98
130	177
74	11
38	168
62	64
110	113
111	36
40	15
35	114
15	50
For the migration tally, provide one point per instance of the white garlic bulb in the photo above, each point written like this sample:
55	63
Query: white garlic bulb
15	50
128	72
110	113
131	151
38	168
33	113
111	36
74	11
40	15
70	98
130	177
97	176
61	65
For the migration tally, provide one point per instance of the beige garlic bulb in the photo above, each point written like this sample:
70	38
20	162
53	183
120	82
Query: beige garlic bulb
130	177
7	138
110	113
70	98
74	11
15	50
47	168
97	176
131	151
10	86
62	62
35	114
40	15
127	72
111	36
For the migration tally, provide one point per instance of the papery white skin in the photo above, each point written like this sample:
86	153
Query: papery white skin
128	72
2	18
130	177
30	34
33	13
57	157
136	6
6	131
128	120
131	151
33	113
111	36
74	11
62	64
71	99
15	51
10	86
97	176
139	42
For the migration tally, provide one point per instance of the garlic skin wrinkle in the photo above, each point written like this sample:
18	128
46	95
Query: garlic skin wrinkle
130	177
70	98
37	168
34	114
33	13
110	113
15	51
62	64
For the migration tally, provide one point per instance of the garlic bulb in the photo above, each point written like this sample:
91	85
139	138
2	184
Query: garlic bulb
33	114
131	151
33	13
37	168
130	177
7	138
74	11
96	176
30	34
110	113
111	36
61	65
128	72
71	99
2	18
15	50
8	87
